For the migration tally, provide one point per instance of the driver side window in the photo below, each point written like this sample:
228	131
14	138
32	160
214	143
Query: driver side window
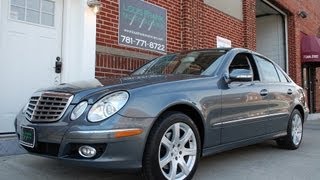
241	61
245	61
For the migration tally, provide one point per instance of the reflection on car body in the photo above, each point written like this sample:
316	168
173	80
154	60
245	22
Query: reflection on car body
166	114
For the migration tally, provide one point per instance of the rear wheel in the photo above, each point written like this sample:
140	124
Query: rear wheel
294	132
173	148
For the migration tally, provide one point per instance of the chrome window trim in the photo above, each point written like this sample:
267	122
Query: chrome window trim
251	118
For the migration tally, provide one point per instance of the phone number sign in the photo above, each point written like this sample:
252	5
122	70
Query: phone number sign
142	25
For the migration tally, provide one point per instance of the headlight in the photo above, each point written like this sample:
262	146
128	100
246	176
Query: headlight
78	110
108	106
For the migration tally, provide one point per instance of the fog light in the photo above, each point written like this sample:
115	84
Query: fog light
87	151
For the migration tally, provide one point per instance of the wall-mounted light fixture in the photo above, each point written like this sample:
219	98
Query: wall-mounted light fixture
303	14
95	5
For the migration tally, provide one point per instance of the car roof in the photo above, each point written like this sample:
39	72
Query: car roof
218	49
234	50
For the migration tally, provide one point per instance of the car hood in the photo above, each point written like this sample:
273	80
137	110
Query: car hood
83	88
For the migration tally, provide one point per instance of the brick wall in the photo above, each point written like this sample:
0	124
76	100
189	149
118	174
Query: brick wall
107	25
296	26
108	65
107	35
191	25
249	17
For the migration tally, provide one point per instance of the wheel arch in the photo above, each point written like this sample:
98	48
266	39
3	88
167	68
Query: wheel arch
188	109
300	109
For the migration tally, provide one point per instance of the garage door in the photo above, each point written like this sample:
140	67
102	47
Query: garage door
30	41
271	38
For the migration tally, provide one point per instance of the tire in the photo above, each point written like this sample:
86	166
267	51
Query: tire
182	153
294	135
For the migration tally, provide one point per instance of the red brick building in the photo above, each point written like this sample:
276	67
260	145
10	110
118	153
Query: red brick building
194	24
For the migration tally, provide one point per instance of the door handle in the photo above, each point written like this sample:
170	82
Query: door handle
289	91
58	67
264	92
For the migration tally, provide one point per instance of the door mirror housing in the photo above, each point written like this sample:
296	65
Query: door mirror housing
240	75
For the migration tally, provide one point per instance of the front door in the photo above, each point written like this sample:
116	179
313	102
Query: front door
30	42
244	104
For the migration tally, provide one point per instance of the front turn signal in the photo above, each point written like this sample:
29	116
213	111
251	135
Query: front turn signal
127	133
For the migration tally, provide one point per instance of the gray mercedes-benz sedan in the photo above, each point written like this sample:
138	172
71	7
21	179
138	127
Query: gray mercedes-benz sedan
167	114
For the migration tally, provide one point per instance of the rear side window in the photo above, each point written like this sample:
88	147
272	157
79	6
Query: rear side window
267	70
281	75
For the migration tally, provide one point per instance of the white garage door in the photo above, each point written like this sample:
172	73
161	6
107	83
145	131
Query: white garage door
271	38
30	41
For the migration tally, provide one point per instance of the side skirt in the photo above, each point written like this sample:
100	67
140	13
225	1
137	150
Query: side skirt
246	142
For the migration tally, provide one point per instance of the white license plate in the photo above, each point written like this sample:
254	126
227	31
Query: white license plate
27	136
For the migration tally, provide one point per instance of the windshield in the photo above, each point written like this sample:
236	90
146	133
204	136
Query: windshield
195	63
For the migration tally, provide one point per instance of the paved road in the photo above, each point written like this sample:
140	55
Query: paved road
257	162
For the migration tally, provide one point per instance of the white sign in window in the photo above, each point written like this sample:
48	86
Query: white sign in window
223	42
33	11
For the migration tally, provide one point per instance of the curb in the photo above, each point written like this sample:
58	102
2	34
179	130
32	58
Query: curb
9	145
313	117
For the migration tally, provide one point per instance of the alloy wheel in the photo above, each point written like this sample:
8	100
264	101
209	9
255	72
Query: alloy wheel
177	151
296	131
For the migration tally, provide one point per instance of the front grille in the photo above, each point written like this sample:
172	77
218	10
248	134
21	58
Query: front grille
47	106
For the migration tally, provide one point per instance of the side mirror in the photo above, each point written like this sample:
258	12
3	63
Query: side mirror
240	75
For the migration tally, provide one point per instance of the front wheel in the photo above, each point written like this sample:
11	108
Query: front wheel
173	148
294	132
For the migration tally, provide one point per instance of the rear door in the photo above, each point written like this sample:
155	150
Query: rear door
280	94
244	104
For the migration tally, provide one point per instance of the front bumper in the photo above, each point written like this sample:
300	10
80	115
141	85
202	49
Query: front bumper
62	139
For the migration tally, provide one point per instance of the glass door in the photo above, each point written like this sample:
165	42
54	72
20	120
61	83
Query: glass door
309	76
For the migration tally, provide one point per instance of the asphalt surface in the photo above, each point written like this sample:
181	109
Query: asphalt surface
256	162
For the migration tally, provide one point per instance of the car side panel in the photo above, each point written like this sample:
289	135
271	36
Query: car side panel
280	106
244	112
202	94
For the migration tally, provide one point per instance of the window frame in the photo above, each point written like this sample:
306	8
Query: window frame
280	71
40	11
250	60
262	77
